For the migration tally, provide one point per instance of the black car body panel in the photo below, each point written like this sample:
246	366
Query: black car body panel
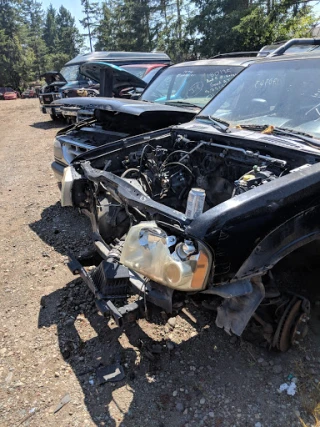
246	234
129	106
212	206
261	214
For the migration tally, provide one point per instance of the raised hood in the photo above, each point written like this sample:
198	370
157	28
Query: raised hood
53	77
128	106
130	116
121	77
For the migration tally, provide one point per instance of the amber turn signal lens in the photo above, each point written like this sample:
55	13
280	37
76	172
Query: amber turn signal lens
200	272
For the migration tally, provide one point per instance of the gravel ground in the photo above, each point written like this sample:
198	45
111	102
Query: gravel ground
177	373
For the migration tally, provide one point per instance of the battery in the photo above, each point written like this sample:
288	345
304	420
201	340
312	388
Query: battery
195	202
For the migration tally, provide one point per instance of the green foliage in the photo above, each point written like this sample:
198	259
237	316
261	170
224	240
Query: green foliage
284	21
144	25
69	40
230	25
33	41
55	61
50	30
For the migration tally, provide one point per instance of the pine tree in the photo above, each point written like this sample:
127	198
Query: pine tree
32	17
92	12
50	29
11	52
69	40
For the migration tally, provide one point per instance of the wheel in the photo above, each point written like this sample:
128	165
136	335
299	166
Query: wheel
54	117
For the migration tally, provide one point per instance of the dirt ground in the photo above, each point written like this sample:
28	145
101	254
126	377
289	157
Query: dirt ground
177	373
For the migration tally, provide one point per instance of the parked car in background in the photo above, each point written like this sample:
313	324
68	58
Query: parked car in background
144	70
73	79
29	93
121	78
122	84
7	93
91	70
297	46
211	207
175	96
51	91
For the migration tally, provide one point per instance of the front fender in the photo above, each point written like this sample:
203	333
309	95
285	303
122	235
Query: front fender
289	236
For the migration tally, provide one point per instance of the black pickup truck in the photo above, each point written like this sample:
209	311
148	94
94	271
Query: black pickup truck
209	208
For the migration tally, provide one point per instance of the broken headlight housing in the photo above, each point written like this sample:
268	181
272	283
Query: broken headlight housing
183	266
57	149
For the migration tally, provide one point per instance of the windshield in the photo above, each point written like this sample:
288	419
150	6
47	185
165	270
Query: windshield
136	71
71	73
280	93
148	77
194	84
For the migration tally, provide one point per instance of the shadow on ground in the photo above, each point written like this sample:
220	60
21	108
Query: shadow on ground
46	125
72	309
160	385
207	363
65	229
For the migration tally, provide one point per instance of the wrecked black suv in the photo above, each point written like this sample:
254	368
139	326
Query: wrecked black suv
210	207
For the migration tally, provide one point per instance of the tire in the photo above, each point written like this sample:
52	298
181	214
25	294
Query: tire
53	117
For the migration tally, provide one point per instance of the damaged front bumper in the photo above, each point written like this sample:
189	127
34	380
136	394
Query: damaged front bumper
158	261
49	109
111	281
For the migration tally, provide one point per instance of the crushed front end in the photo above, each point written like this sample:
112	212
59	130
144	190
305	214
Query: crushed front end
149	246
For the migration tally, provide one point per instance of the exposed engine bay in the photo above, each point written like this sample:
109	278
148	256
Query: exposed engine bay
138	196
166	170
168	174
51	88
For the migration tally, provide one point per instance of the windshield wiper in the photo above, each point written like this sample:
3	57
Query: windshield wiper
275	130
181	103
216	123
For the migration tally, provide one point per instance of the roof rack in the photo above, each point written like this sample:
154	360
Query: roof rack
294	42
234	54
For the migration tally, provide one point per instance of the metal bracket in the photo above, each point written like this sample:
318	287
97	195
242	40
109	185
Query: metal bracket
235	313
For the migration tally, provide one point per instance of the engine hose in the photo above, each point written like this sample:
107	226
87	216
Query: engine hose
125	173
177	164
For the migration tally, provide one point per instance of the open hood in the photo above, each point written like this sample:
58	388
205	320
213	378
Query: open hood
127	106
53	77
132	117
121	77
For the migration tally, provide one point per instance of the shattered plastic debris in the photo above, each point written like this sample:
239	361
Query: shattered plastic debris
111	373
291	388
66	399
